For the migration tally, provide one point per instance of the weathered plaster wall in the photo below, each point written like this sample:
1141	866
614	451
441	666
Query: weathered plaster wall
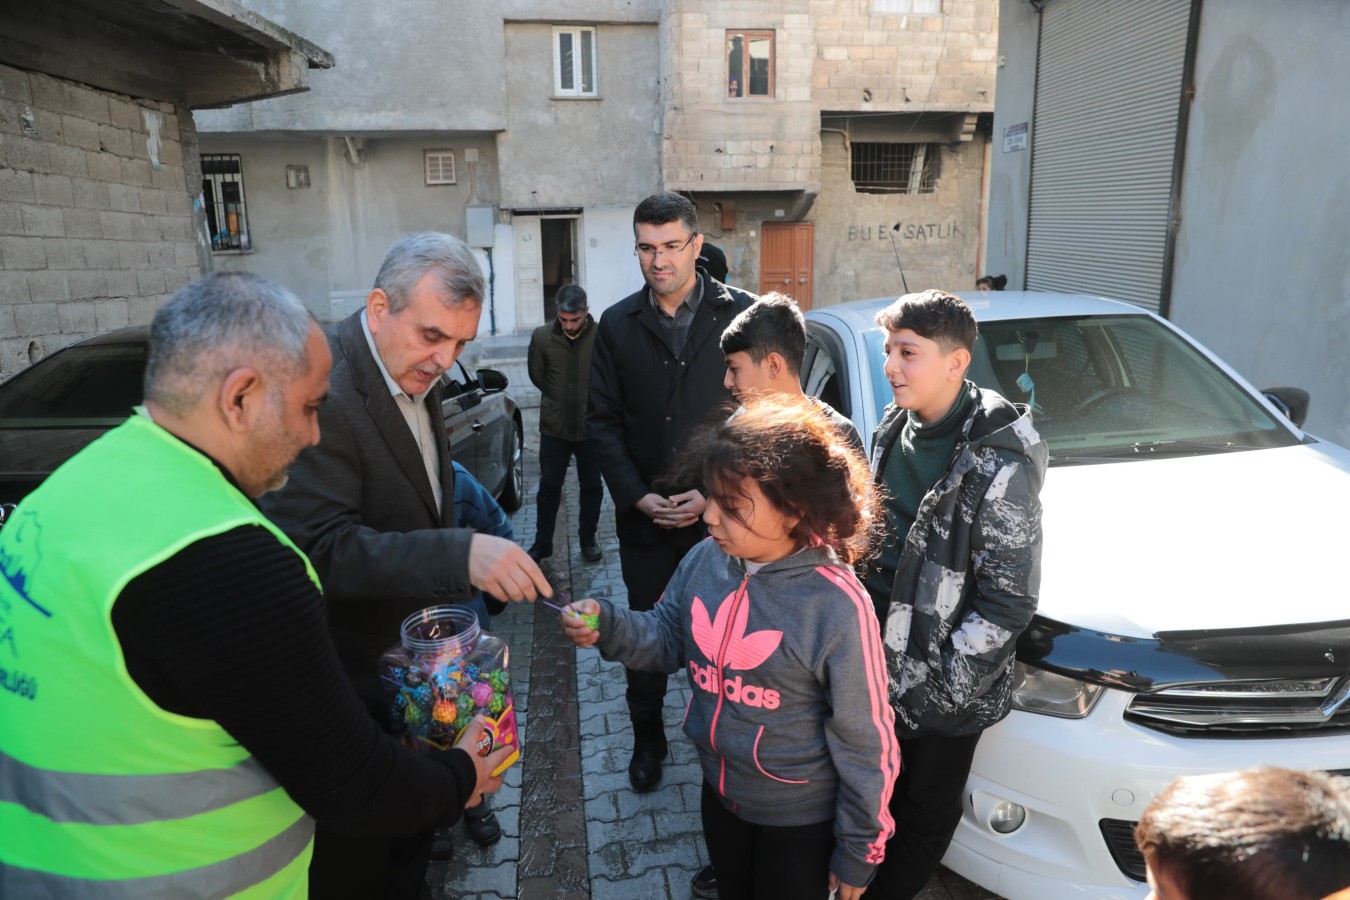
326	242
416	65
1262	275
937	240
1010	169
573	152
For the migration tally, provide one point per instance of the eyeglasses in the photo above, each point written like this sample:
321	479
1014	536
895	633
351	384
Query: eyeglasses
648	253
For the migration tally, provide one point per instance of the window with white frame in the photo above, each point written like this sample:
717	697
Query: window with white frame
440	166
574	62
223	194
907	7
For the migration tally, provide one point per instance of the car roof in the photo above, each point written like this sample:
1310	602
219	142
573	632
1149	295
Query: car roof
130	335
993	306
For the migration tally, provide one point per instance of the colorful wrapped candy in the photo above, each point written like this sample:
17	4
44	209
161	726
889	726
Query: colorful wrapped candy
445	671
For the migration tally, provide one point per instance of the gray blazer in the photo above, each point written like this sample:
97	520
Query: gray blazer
360	505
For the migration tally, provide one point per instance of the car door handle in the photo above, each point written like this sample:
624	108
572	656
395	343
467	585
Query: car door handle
477	425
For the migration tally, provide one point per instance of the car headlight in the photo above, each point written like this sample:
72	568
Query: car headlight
1054	695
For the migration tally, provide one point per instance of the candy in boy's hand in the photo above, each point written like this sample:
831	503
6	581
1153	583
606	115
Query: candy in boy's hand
590	620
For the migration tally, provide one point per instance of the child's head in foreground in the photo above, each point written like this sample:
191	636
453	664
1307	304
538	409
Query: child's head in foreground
1260	834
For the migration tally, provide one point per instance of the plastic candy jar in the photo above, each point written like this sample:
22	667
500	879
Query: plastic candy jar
445	671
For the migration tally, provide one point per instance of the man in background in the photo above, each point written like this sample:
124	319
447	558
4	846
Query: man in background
560	366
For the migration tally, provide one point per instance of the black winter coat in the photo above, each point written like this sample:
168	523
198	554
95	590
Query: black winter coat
645	401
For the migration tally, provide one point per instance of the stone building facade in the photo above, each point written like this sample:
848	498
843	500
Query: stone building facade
857	89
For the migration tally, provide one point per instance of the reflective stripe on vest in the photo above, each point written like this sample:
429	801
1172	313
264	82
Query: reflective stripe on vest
128	799
221	879
102	792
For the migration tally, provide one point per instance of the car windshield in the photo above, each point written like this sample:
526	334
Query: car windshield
1111	387
80	387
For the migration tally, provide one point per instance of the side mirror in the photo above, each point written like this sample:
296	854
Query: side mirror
1291	401
491	380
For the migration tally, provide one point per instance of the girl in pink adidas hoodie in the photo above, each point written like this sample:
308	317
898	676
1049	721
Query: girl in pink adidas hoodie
779	641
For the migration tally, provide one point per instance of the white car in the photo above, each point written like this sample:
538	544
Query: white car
1192	614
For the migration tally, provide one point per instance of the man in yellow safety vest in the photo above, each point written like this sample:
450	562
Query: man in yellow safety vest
183	718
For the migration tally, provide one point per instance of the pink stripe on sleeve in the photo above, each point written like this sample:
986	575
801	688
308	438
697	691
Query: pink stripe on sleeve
883	717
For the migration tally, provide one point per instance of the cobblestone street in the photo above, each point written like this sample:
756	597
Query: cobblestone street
573	828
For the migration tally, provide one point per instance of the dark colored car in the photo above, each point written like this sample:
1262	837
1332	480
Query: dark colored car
52	409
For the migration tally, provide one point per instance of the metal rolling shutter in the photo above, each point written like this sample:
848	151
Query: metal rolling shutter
1108	95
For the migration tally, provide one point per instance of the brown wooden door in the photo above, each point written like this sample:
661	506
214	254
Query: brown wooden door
787	254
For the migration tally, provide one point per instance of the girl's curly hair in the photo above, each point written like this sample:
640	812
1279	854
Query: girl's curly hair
803	464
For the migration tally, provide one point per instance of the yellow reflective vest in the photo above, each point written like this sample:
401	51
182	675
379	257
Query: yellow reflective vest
102	793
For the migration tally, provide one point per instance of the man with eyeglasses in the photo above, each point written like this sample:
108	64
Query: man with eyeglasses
560	366
656	376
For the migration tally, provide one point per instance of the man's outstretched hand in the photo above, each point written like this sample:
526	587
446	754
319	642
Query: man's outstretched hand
501	568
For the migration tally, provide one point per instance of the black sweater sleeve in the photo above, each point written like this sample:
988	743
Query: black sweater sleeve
232	629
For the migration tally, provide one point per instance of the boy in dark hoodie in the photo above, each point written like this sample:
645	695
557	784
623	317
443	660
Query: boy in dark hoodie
958	572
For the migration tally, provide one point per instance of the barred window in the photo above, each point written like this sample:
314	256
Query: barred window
881	168
223	194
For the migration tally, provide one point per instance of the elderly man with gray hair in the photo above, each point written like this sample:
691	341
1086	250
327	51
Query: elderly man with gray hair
373	506
180	676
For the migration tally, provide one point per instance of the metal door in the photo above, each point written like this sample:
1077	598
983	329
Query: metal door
1105	144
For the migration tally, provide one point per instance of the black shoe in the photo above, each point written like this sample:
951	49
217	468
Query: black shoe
484	830
540	552
590	550
442	848
704	885
649	749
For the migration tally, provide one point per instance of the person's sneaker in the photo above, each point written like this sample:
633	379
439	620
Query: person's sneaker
540	552
484	830
442	848
704	885
590	550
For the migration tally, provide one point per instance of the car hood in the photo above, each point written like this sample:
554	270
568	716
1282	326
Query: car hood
1232	540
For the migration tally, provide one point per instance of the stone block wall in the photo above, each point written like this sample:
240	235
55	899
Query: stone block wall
96	218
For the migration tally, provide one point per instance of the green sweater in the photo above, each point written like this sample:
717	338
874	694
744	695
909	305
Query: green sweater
924	454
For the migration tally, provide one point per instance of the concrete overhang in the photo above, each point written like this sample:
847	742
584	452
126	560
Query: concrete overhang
200	53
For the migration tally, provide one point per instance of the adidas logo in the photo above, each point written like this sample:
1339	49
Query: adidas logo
709	679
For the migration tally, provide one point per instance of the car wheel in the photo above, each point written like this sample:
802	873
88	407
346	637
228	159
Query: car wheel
513	492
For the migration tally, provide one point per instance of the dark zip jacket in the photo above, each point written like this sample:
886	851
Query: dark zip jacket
561	368
969	572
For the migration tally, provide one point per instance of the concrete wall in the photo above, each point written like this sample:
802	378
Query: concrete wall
1262	274
415	65
574	152
96	220
1010	170
326	242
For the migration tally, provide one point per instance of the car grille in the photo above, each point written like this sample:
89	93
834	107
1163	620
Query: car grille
1246	709
1119	836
